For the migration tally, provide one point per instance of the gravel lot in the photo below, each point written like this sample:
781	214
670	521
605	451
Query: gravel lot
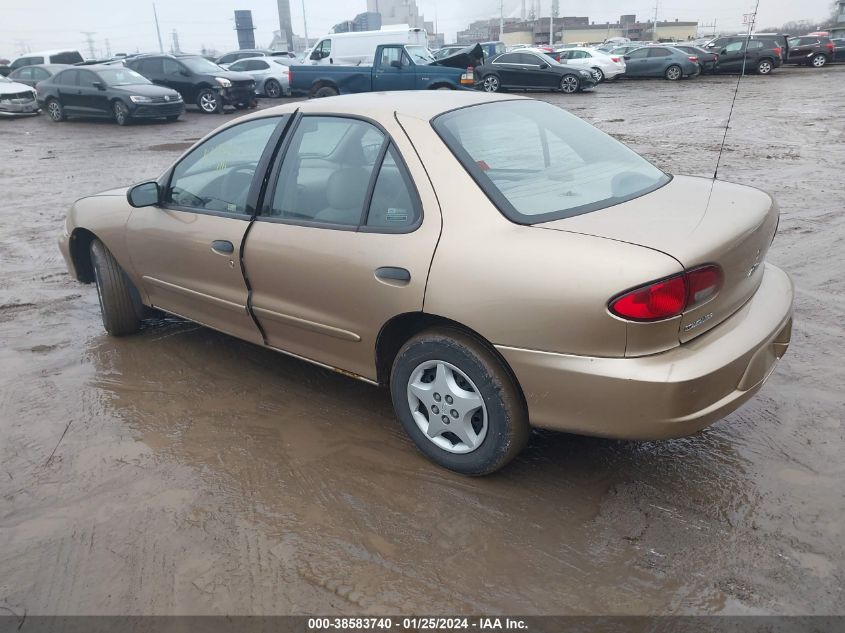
182	471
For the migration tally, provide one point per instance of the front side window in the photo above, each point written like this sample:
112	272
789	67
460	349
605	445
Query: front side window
217	175
171	67
87	79
326	171
390	54
538	163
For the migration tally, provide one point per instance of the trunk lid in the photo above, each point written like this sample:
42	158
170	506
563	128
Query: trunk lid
732	226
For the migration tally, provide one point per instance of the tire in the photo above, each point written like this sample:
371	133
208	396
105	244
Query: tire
490	83
599	74
326	91
818	60
120	113
209	102
570	84
764	67
674	73
120	304
272	89
55	110
486	437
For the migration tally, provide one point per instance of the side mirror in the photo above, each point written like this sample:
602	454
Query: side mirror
396	64
99	85
724	51
544	66
316	55
627	57
146	194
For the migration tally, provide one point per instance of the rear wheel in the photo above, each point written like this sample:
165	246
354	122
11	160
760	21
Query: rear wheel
764	67
209	101
490	83
120	304
326	91
272	89
120	112
673	73
570	84
55	110
458	402
818	61
598	74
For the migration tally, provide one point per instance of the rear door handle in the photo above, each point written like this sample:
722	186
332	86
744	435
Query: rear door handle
223	247
392	273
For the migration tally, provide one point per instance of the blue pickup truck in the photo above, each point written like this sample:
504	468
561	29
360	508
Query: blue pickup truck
396	67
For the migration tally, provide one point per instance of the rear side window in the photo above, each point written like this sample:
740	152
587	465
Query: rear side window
510	58
68	57
68	78
392	205
538	163
658	52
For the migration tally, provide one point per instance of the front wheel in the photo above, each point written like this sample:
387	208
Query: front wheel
209	101
764	67
120	304
570	84
673	73
55	110
121	113
272	89
818	61
458	402
490	83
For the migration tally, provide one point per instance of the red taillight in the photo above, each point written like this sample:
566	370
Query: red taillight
778	51
290	77
668	297
693	58
615	59
830	46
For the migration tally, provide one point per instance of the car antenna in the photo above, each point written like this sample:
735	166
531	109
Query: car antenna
751	19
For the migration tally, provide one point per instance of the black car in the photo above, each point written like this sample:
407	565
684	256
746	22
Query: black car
198	80
765	52
529	70
31	75
811	50
706	59
107	91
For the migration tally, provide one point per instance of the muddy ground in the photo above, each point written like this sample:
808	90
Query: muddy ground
182	471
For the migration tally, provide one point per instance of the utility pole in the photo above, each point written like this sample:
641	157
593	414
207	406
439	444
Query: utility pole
175	45
501	19
654	30
89	37
108	49
158	30
522	13
305	24
555	9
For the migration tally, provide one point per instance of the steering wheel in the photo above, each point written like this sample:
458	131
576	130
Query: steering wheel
234	191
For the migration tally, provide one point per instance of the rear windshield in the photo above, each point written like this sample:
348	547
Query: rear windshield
538	163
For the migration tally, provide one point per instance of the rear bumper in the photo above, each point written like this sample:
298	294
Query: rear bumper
671	394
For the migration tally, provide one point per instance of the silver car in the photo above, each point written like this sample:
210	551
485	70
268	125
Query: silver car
270	74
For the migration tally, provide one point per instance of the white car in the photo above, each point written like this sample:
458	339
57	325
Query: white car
270	74
603	65
17	99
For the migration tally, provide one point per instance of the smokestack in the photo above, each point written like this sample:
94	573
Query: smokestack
285	24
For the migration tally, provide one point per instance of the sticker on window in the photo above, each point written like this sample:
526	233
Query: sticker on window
397	215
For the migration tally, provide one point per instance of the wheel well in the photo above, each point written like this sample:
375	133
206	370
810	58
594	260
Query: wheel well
441	84
80	254
402	327
322	83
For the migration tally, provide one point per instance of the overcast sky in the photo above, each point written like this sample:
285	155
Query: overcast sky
44	24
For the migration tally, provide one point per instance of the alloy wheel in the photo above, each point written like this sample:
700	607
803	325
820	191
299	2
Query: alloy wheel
819	61
55	110
272	89
673	73
598	74
208	102
447	407
121	114
569	84
491	84
765	67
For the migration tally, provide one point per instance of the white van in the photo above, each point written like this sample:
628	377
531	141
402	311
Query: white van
47	57
357	48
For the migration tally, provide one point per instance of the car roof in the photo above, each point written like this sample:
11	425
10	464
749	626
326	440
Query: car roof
57	51
418	104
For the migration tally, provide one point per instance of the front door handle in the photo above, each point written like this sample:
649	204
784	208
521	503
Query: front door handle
392	273
223	247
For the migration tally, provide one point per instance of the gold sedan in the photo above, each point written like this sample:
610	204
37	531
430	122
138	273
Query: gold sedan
495	261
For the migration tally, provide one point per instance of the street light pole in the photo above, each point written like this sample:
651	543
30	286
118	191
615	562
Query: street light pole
304	24
158	30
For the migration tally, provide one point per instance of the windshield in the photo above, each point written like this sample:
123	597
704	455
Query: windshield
420	54
200	65
538	163
122	77
3	80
